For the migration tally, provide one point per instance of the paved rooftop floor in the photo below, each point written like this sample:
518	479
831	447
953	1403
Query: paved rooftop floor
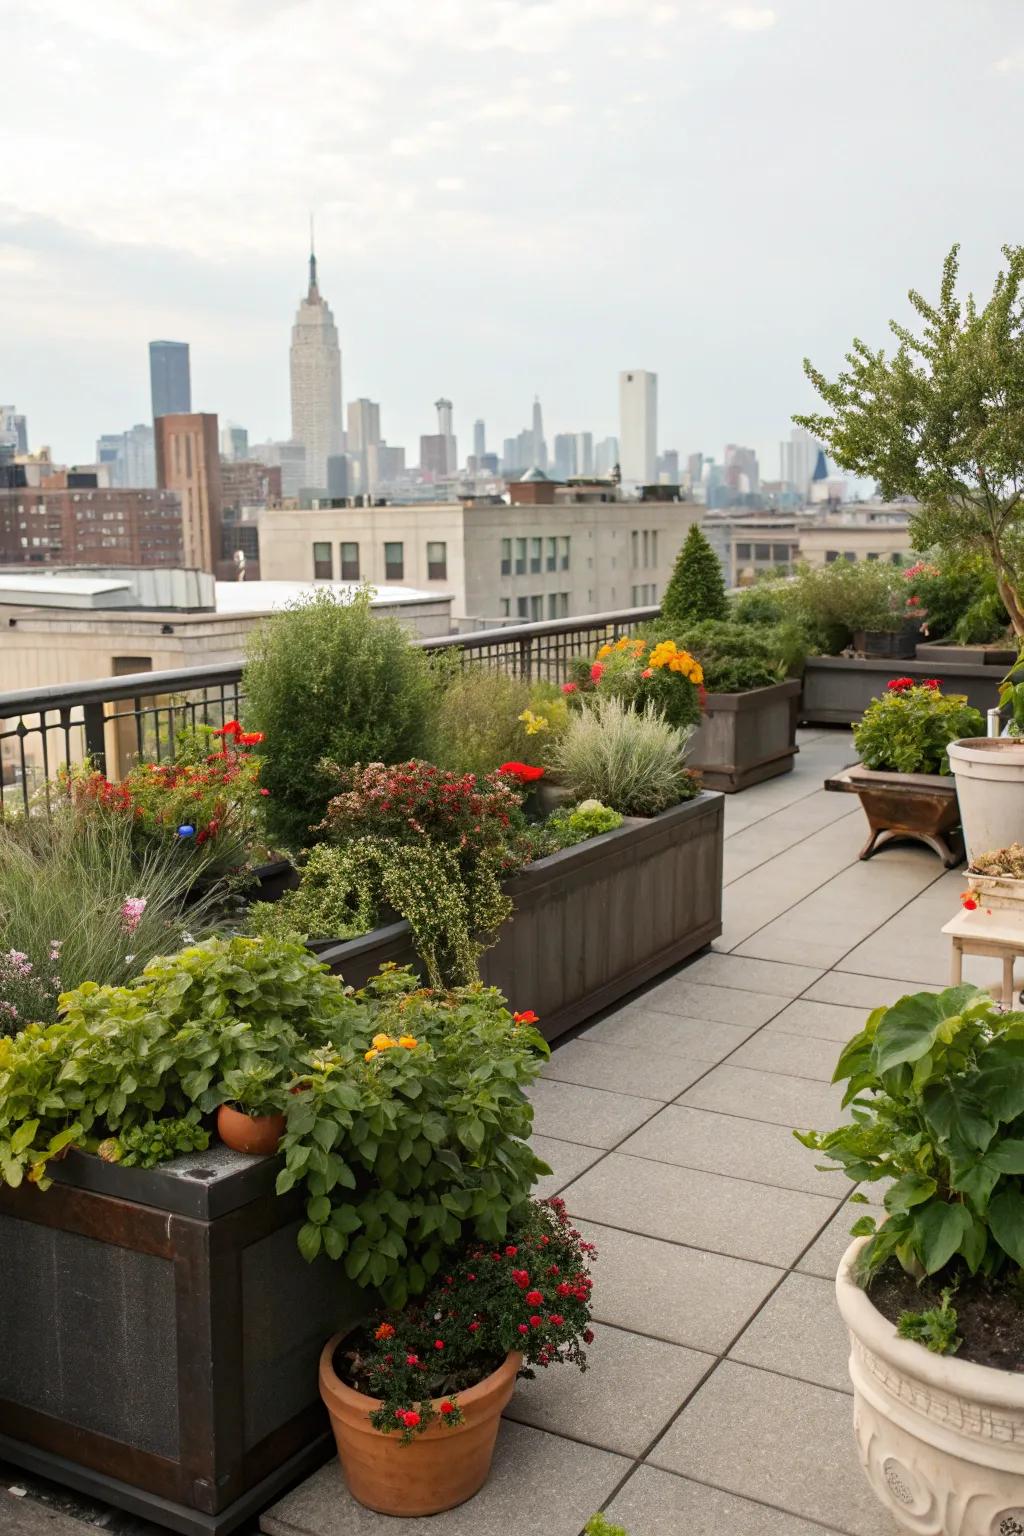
717	1398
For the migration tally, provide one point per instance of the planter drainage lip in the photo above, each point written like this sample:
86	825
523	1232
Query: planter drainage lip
945	1373
202	1185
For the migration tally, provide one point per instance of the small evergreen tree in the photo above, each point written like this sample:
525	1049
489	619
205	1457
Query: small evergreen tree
696	590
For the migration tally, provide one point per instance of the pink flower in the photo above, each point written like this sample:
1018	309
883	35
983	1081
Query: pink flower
597	672
569	687
132	909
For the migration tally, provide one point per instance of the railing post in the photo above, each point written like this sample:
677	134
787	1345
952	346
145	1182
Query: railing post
526	659
94	722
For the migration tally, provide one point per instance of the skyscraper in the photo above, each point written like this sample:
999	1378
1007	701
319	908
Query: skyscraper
316	382
606	456
638	426
565	455
234	442
584	453
539	453
170	378
479	440
798	459
188	461
444	430
363	434
130	456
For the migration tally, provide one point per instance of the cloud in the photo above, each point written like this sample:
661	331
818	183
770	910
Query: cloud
1010	64
750	18
450	184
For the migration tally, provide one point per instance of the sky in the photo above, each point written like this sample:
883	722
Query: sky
511	197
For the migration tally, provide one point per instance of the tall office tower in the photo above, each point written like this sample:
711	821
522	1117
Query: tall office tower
510	456
170	378
130	456
694	468
338	477
316	382
234	442
638	426
668	467
444	429
606	456
489	464
565	455
363	434
434	448
797	460
479	440
188	461
584	453
109	450
13	430
539	448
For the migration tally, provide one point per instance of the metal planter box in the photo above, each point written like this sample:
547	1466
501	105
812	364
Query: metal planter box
160	1335
592	922
838	689
746	738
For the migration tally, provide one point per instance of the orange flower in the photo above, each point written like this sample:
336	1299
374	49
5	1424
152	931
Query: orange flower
369	1055
382	1042
408	1041
385	1331
529	1017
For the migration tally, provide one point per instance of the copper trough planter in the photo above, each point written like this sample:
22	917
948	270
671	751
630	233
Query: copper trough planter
920	806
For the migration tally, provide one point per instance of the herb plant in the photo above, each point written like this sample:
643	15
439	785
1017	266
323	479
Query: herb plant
934	1328
630	760
153	1142
597	1525
935	1085
908	729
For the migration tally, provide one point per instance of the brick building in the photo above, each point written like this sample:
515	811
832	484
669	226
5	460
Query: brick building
188	462
73	525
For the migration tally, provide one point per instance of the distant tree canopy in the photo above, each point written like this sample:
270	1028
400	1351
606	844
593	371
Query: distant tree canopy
942	420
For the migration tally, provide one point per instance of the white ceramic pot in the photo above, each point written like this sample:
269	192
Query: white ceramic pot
990	788
941	1440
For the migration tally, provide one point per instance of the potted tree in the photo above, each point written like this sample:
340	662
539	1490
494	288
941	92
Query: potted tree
930	1292
903	778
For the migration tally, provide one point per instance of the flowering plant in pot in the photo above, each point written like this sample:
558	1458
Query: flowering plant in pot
415	1395
251	1118
936	1089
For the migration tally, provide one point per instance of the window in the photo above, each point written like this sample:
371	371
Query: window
635	543
647	549
552	605
742	551
394	562
535	549
563	605
831	555
522	607
634	597
506	607
323	563
851	555
506	557
437	562
781	554
654	546
762	551
536	607
552	561
563	548
349	562
871	555
895	559
520	557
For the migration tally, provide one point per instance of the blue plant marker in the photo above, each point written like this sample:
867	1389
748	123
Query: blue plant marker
186	831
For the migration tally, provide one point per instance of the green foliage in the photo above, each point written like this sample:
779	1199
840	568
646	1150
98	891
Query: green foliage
908	729
734	657
936	1089
566	828
941	421
476	722
640	676
935	1328
832	602
64	880
696	588
768	602
1011	696
631	760
597	1525
144	1146
957	600
326	679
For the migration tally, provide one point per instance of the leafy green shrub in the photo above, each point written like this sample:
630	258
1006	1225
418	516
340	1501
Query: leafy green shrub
957	600
566	828
834	601
696	589
937	1084
934	1328
477	721
908	729
144	1146
768	602
631	760
734	657
326	679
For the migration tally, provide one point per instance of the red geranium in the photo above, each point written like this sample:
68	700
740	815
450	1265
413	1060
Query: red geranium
899	684
524	772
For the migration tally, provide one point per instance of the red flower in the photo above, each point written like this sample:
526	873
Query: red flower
230	728
536	1322
407	1417
588	1336
913	600
521	1278
534	1298
511	1251
932	682
439	1343
250	738
474	1326
412	1359
446	1408
569	687
522	771
899	684
647	672
969	903
597	672
565	1289
556	1319
529	1017
264	791
385	1331
524	1327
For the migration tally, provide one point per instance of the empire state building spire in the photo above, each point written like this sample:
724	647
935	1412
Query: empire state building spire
316	381
313	296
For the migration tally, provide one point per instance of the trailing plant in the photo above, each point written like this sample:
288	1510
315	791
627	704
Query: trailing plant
935	1328
640	674
327	679
696	588
936	1090
478	720
630	760
529	1293
908	729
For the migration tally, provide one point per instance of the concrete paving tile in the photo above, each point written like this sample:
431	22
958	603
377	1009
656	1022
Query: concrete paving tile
799	1332
698	1000
538	1483
759	842
760	897
772	1096
748	1431
911	947
654	1503
565	1160
671	1034
702	1210
21	1516
766	976
834	1022
822	1258
864	992
595	1064
590	1117
631	1388
681	1294
743	1149
795	1055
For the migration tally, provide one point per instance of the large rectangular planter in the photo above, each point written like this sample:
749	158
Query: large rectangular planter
838	689
160	1335
591	923
939	654
746	738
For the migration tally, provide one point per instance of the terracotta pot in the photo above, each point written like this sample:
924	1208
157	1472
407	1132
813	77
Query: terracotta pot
256	1134
940	1439
440	1468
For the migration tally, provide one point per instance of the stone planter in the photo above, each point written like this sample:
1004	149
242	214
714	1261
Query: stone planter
1000	891
745	738
990	782
161	1333
920	806
935	653
940	1439
838	689
592	922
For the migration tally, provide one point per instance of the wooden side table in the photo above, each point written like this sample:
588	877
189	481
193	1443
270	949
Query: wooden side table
998	933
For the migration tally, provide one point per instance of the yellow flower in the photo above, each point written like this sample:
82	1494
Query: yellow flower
408	1041
605	650
533	723
370	1055
383	1042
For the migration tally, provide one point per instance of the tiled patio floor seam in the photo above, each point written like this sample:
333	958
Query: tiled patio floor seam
794	844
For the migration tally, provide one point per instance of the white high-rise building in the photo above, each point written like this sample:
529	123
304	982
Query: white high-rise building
316	383
638	427
444	430
479	440
797	460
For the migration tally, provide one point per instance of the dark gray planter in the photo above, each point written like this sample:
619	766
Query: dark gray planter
898	644
272	880
161	1334
937	654
592	922
745	738
838	689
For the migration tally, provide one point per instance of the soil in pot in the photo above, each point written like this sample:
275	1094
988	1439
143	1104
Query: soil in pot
440	1467
990	1313
256	1134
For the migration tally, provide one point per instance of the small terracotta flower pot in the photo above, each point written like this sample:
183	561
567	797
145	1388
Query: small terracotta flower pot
438	1469
256	1134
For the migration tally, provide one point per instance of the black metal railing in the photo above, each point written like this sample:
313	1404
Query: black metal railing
116	721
